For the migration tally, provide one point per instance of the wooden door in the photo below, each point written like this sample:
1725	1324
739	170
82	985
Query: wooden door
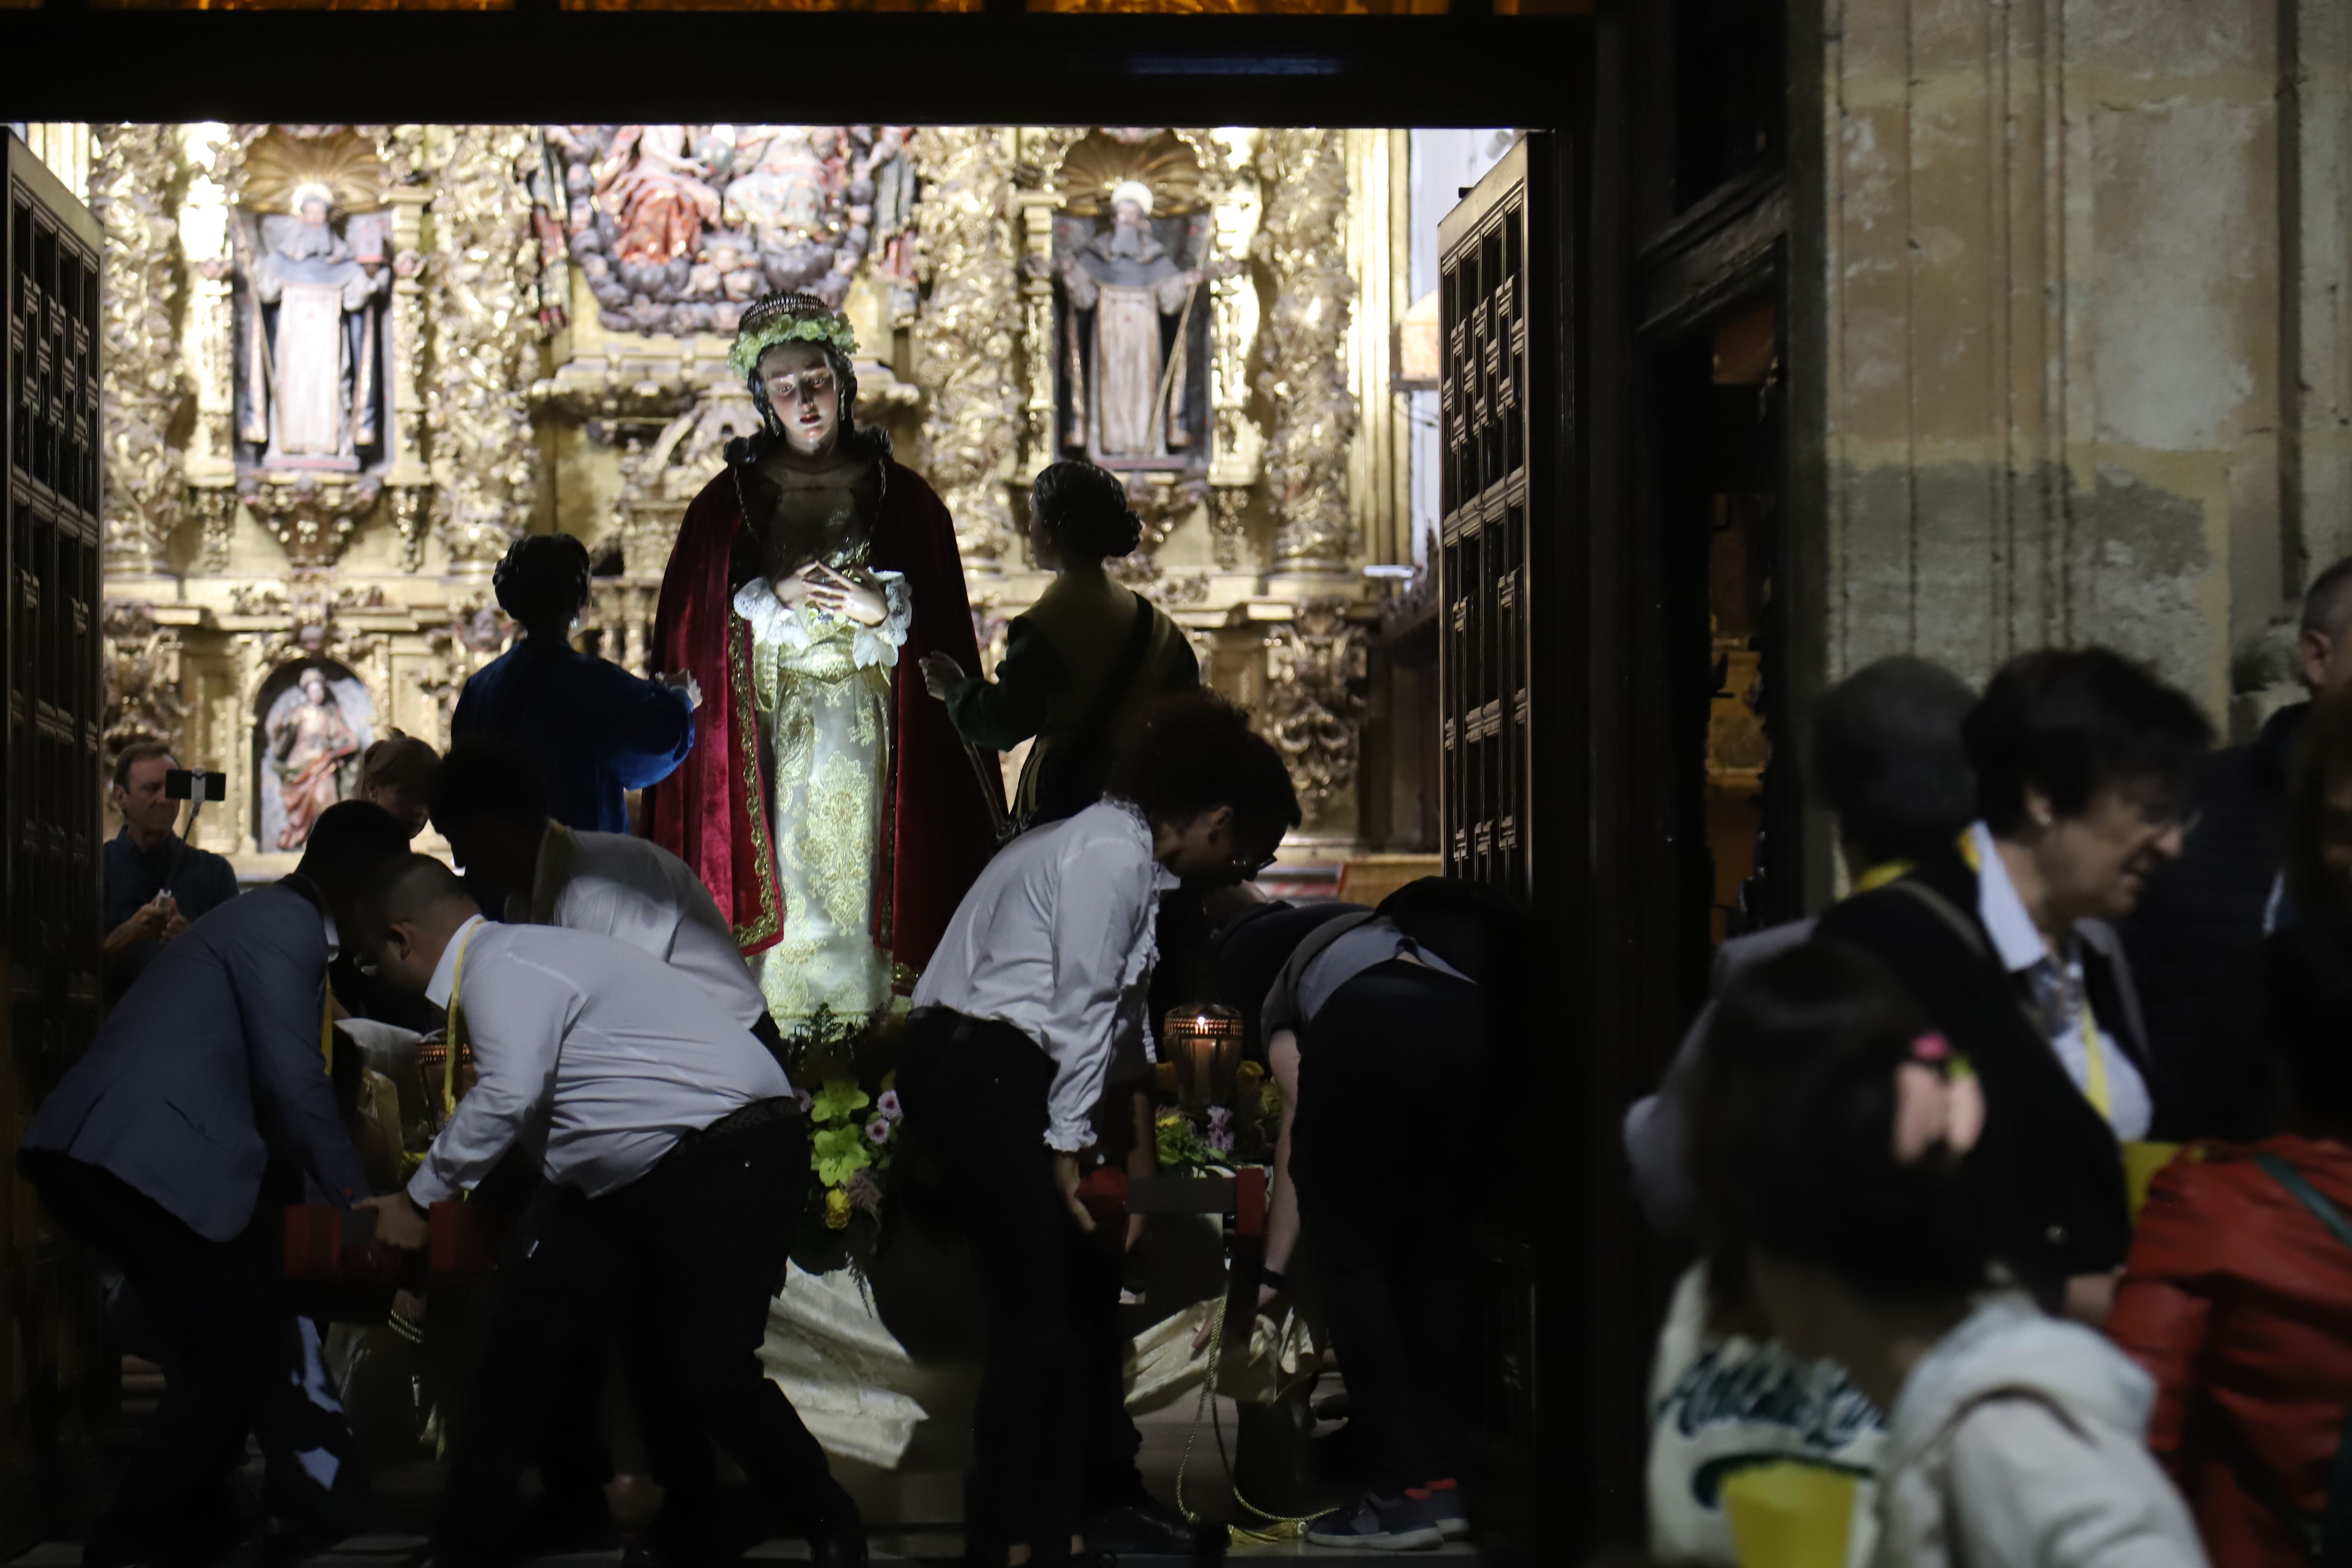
1502	401
50	1376
1493	266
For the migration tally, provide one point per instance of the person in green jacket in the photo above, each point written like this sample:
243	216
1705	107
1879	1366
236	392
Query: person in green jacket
1061	656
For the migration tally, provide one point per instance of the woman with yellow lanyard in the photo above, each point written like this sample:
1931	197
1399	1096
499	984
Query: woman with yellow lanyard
2082	760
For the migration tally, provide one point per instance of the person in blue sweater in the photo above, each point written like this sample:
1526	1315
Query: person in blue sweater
595	730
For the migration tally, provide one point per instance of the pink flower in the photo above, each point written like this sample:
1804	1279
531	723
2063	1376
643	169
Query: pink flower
888	1104
878	1129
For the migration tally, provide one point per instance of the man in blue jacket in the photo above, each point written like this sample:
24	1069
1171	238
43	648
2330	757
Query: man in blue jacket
153	1149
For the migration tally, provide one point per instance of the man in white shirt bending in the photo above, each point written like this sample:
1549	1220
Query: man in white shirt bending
672	1149
489	801
1040	979
490	804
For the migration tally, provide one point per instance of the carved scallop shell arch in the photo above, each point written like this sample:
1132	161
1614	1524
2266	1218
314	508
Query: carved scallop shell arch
263	166
1187	167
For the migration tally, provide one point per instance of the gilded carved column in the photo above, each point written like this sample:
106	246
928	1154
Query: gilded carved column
1302	368
143	385
964	341
1315	678
479	294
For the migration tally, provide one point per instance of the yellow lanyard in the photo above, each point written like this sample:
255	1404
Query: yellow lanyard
327	1028
1878	876
2095	1087
449	1031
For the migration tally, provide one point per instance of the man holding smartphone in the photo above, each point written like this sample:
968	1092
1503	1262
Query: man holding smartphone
156	883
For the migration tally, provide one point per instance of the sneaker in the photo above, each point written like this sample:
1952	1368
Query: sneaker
1380	1524
1444	1499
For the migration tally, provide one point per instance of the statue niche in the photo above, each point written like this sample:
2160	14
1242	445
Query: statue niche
674	228
312	721
313	280
1131	255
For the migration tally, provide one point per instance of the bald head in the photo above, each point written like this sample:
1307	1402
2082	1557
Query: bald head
415	907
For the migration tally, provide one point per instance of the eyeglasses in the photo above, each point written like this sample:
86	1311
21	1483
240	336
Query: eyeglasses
1249	866
784	390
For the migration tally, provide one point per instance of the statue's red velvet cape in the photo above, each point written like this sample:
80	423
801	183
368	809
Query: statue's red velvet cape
713	812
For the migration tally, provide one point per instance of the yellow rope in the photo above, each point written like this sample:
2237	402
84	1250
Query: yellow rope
449	1031
1287	1527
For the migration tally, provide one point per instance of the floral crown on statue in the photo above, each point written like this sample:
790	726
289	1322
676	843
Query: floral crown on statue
788	318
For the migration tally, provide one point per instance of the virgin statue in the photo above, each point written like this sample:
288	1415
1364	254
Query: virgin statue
827	803
308	748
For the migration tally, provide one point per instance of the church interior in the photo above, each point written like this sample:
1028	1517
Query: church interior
530	335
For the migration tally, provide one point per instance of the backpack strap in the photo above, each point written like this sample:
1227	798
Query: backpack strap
2331	1535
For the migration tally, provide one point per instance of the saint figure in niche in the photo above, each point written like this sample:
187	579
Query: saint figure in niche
1128	398
311	746
310	386
827	802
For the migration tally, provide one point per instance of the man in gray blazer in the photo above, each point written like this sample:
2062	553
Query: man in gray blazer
153	1149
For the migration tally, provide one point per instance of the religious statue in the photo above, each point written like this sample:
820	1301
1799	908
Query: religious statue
311	746
676	227
827	802
1128	382
656	194
308	393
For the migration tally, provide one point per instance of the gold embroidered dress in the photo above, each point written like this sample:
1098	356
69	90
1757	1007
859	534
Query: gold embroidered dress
821	686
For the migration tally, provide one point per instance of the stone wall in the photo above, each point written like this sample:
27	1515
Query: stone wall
2080	272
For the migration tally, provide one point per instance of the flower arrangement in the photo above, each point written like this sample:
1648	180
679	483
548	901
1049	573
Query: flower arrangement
1222	1137
851	1101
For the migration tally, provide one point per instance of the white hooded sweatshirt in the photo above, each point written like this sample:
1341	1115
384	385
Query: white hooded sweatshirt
2020	1441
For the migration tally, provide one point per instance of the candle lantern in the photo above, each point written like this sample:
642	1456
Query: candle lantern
1204	1041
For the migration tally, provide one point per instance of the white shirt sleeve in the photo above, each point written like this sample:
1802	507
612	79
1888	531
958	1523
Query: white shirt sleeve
2032	1489
1102	939
516	1026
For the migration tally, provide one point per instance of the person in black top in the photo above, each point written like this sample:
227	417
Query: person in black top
1063	655
2084	762
157	883
2200	918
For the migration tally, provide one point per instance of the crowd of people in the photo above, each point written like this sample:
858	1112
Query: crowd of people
2018	1179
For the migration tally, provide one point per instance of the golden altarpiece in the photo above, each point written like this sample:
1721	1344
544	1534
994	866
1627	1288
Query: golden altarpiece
346	365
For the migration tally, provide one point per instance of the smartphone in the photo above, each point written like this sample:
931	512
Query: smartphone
194	784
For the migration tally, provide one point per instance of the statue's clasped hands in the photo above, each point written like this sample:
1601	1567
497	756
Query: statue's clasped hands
820	585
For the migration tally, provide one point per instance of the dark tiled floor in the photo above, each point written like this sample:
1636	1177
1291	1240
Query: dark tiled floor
913	1518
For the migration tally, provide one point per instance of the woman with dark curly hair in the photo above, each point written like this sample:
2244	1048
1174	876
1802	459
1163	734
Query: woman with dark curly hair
2084	760
595	730
1037	985
1082	661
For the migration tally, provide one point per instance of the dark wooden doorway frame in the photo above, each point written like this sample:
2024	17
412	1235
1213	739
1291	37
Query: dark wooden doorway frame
559	66
1599	910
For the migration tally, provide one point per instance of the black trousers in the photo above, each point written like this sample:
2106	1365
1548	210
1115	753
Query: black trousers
222	1325
975	1092
686	1259
1390	1244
